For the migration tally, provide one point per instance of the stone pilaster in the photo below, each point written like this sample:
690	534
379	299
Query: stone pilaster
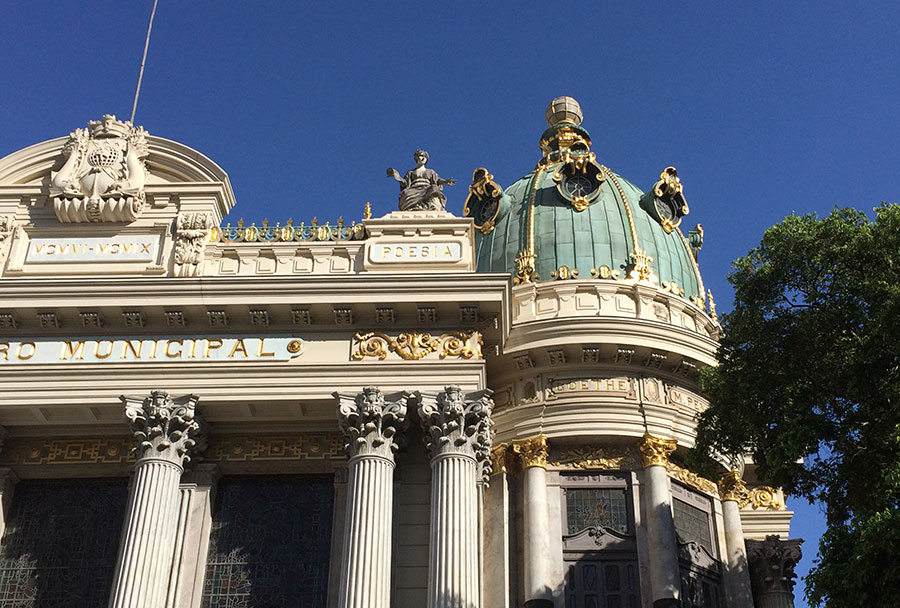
733	494
665	579
370	424
167	434
458	434
497	532
536	519
772	563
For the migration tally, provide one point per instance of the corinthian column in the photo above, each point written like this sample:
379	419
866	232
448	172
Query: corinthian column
665	578
772	564
734	494
536	519
166	435
370	425
458	433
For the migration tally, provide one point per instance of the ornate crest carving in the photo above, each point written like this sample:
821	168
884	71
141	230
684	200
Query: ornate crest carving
165	428
370	422
190	241
103	175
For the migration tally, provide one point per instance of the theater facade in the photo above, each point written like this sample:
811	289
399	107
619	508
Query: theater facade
411	410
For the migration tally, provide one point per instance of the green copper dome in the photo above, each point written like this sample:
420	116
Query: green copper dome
574	218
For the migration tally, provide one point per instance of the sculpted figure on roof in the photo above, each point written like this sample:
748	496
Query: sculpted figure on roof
421	188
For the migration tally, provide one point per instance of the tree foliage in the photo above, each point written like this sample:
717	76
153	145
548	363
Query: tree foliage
809	384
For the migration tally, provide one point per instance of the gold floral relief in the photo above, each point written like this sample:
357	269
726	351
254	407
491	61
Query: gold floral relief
413	346
655	451
532	452
690	478
590	457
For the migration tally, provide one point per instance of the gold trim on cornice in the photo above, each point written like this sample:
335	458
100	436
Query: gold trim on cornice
532	452
655	451
690	478
593	457
413	346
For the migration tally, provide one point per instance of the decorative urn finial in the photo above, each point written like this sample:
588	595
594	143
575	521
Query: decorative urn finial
564	110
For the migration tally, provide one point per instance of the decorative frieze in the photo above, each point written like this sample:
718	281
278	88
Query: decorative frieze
34	451
595	457
261	448
413	346
370	422
690	478
655	451
191	236
164	427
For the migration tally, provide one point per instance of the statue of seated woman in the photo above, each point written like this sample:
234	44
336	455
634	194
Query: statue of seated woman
421	188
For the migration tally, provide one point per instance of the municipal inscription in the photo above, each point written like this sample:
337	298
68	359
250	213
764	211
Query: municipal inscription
40	351
623	387
431	251
44	250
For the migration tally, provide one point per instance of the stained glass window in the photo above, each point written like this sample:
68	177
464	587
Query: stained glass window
591	507
270	542
61	541
692	524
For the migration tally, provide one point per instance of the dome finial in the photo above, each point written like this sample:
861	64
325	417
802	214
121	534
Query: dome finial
564	110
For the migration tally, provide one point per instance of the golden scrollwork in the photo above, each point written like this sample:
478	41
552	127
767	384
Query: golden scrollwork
605	272
655	451
690	478
564	272
640	267
765	497
532	452
591	457
413	346
672	287
524	267
500	458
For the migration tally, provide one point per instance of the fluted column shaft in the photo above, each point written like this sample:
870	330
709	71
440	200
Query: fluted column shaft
536	518
166	433
458	434
665	577
370	424
733	493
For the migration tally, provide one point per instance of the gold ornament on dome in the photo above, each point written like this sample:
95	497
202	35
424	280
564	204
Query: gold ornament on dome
524	267
413	346
597	458
532	452
655	451
564	272
483	202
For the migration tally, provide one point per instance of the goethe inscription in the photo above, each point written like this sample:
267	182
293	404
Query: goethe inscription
159	350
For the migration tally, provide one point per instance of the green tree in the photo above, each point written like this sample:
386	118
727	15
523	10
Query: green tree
809	384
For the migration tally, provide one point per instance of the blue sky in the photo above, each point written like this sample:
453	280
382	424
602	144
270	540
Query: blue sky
765	109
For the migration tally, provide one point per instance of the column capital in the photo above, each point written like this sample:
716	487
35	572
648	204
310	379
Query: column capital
457	423
772	564
532	451
370	422
655	451
500	457
732	487
165	427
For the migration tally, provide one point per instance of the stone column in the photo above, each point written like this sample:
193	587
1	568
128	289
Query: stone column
772	573
536	522
198	488
734	495
370	424
665	576
495	582
166	434
458	433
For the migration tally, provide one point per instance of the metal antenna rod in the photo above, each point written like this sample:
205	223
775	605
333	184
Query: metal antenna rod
137	91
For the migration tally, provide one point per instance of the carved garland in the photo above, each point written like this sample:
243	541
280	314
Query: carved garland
413	346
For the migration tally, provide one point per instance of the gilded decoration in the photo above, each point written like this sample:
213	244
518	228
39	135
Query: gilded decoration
288	232
33	451
413	346
305	446
765	497
690	478
525	266
655	451
532	452
590	457
732	487
483	202
501	456
564	272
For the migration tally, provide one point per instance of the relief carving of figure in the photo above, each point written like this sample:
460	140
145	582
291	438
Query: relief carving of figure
421	188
